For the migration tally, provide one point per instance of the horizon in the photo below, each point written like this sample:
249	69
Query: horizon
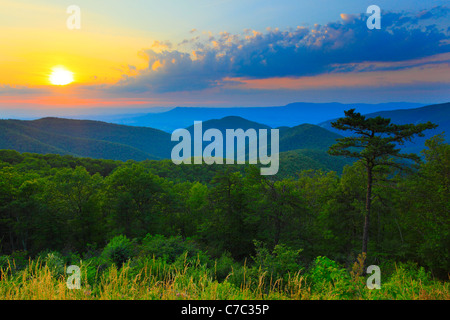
100	114
293	117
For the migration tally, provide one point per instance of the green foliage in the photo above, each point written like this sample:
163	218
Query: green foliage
119	250
279	263
426	219
169	249
190	277
20	259
375	143
224	266
329	278
211	215
4	262
55	262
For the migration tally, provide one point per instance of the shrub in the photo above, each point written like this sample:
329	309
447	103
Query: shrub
224	266
330	280
55	263
19	259
118	251
90	274
168	248
280	263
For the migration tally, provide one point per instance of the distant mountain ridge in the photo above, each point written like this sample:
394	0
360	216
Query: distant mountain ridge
307	144
304	144
84	138
438	114
289	115
100	140
303	136
230	122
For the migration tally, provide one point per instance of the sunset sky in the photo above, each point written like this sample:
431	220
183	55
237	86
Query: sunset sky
144	53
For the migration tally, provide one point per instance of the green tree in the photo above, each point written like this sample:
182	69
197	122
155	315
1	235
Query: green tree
188	202
227	227
280	209
323	223
74	196
376	146
136	201
17	205
426	219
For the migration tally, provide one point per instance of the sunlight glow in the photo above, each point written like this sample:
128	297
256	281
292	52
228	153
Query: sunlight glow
60	76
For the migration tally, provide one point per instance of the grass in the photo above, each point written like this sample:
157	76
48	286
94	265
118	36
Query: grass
154	279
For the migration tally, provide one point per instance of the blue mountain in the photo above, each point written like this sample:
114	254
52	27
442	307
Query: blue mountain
290	115
438	114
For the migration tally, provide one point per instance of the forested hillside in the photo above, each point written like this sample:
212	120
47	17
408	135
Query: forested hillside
84	138
51	202
100	140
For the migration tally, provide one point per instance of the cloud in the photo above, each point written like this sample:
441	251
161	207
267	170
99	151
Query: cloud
337	47
349	18
434	13
162	45
6	89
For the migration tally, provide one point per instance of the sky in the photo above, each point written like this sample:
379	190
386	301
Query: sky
225	53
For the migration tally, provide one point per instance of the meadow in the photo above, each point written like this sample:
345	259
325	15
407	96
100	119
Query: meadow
198	277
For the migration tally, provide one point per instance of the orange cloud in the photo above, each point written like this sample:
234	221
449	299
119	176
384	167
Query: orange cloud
157	64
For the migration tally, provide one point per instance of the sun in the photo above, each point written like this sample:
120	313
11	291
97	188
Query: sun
61	76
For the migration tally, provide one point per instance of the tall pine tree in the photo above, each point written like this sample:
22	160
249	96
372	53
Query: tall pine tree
375	143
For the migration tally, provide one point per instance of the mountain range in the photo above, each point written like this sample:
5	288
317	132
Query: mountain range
438	114
290	115
84	138
301	145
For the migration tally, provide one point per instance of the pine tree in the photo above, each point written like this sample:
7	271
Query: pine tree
375	144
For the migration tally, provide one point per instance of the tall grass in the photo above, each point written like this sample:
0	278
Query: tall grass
154	279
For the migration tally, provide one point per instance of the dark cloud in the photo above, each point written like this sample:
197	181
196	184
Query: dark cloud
335	47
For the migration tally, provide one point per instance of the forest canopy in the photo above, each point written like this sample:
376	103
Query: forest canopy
73	205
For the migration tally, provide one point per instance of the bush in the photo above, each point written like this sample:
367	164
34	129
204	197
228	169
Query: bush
330	280
118	251
55	263
408	275
168	248
72	258
280	263
90	273
224	266
20	259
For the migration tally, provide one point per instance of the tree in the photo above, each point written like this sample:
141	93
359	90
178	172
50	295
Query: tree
278	207
426	221
74	195
188	202
227	227
17	204
376	146
136	199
